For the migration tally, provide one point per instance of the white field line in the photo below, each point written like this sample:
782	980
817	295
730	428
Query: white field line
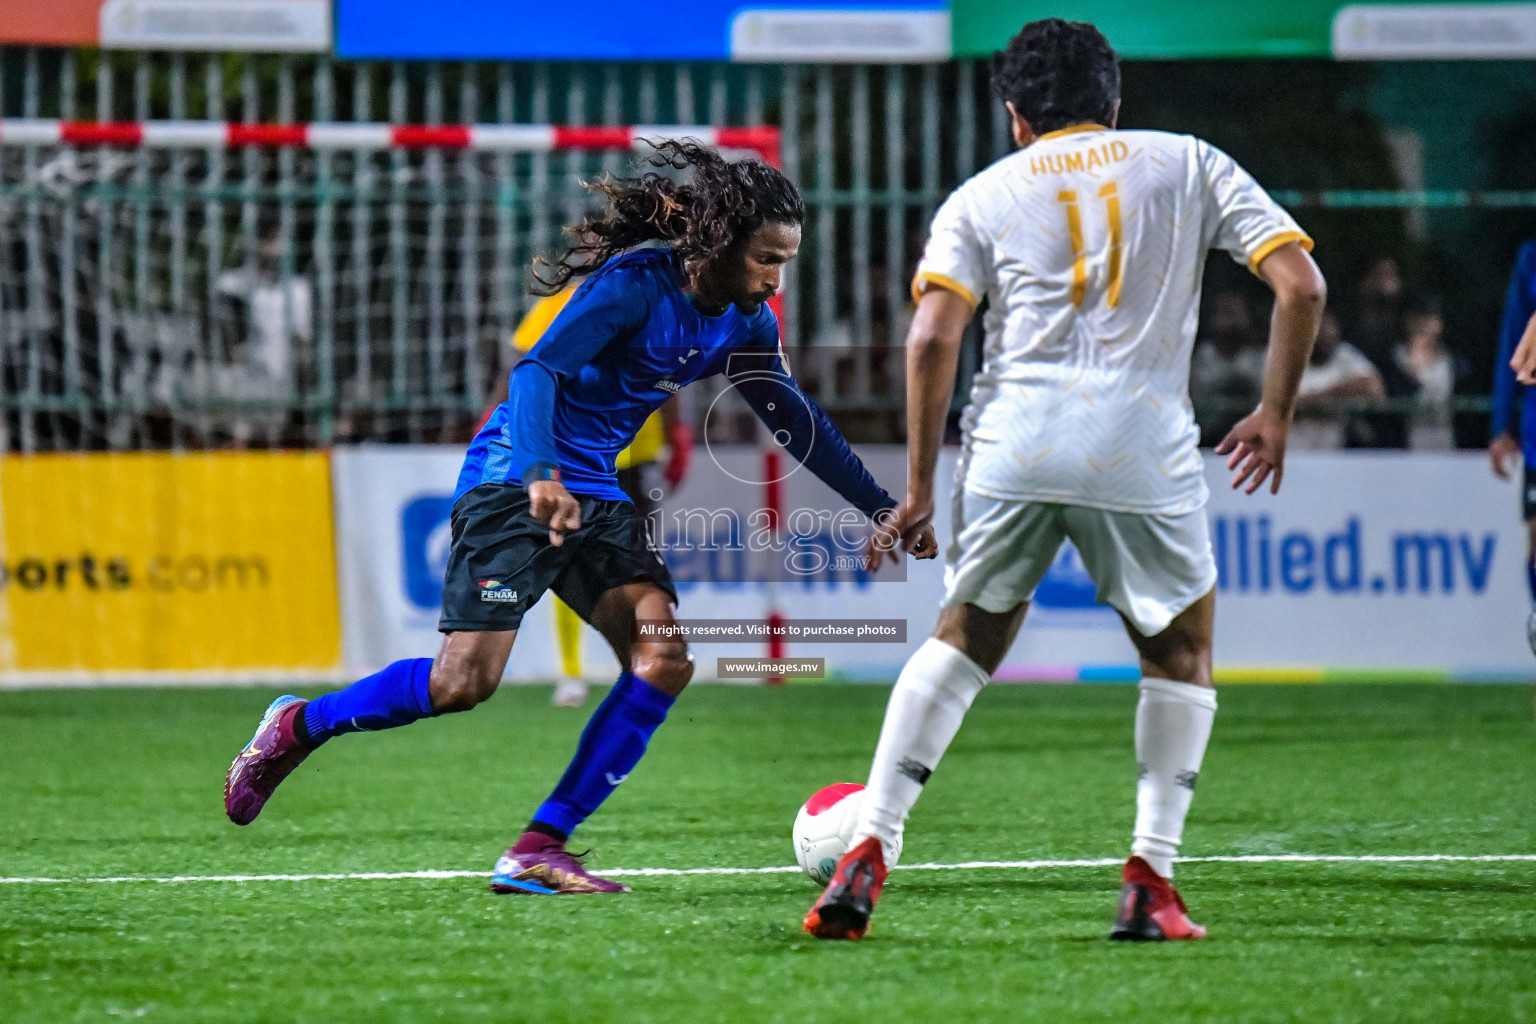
778	869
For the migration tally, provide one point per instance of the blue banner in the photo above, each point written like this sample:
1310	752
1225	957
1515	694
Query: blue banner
877	30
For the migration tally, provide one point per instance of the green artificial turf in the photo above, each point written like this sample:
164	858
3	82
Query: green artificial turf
98	783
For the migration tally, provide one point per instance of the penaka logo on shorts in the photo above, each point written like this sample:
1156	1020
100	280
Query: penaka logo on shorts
87	572
497	591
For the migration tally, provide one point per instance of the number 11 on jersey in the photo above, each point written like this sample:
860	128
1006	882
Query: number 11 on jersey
1110	193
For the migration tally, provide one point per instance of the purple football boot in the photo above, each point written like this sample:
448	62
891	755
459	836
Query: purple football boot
267	760
546	869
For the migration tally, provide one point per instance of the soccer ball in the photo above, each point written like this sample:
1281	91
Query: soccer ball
824	829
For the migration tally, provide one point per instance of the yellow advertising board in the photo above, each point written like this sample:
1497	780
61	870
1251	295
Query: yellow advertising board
216	562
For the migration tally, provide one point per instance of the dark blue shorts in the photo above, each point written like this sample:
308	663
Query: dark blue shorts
501	561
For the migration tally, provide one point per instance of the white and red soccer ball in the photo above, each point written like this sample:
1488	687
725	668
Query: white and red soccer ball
824	829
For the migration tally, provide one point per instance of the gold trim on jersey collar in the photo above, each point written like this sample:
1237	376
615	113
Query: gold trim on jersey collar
1072	129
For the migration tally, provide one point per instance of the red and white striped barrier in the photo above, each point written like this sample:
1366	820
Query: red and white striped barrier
490	138
356	136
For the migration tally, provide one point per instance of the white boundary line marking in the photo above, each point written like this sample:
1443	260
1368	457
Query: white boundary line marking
973	865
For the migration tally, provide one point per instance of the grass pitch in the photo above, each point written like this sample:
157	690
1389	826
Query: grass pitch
111	783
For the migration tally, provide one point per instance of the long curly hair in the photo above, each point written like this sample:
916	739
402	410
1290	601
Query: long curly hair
720	202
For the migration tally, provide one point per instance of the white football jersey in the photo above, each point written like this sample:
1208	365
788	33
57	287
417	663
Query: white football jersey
1090	245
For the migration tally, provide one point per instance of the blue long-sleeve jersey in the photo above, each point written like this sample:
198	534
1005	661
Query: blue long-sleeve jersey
628	340
1507	391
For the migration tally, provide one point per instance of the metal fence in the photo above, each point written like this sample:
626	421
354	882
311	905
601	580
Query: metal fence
204	296
288	296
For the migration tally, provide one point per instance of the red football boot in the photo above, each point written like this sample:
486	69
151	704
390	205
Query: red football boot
1151	909
844	909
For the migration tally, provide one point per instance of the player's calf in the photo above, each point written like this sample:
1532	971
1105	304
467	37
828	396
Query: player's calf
468	669
460	686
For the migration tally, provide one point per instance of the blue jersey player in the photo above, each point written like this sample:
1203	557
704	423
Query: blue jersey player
538	506
1514	403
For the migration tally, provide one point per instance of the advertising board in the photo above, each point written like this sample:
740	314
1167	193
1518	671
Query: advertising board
1367	564
274	26
117	565
807	30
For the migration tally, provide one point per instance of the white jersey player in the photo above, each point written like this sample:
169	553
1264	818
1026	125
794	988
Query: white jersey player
1088	245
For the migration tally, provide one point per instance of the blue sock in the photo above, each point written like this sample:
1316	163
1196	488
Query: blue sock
396	695
1530	577
611	745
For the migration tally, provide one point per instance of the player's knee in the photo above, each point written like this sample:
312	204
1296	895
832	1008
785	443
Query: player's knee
666	666
461	687
1180	660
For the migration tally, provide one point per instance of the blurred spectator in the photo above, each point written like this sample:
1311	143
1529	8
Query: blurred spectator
887	327
278	312
859	378
1423	357
1227	371
1378	333
1379	310
1338	372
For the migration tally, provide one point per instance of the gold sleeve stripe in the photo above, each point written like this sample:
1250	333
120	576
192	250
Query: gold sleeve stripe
947	283
1275	242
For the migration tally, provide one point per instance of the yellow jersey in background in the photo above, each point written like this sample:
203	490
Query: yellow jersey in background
647	445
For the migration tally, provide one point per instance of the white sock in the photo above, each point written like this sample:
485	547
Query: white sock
1173	724
928	703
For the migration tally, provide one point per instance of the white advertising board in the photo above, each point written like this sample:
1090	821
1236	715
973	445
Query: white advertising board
267	26
392	504
1366	563
1431	31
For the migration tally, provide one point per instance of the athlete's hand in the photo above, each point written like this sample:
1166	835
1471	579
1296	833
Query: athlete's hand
1524	360
908	527
1257	449
1502	452
552	505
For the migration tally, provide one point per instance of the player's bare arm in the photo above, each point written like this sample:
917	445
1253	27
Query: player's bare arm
1524	360
933	353
1503	453
1256	445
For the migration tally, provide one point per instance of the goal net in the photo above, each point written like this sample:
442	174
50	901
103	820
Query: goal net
191	315
165	297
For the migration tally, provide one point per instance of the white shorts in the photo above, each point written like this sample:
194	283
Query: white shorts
1147	567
